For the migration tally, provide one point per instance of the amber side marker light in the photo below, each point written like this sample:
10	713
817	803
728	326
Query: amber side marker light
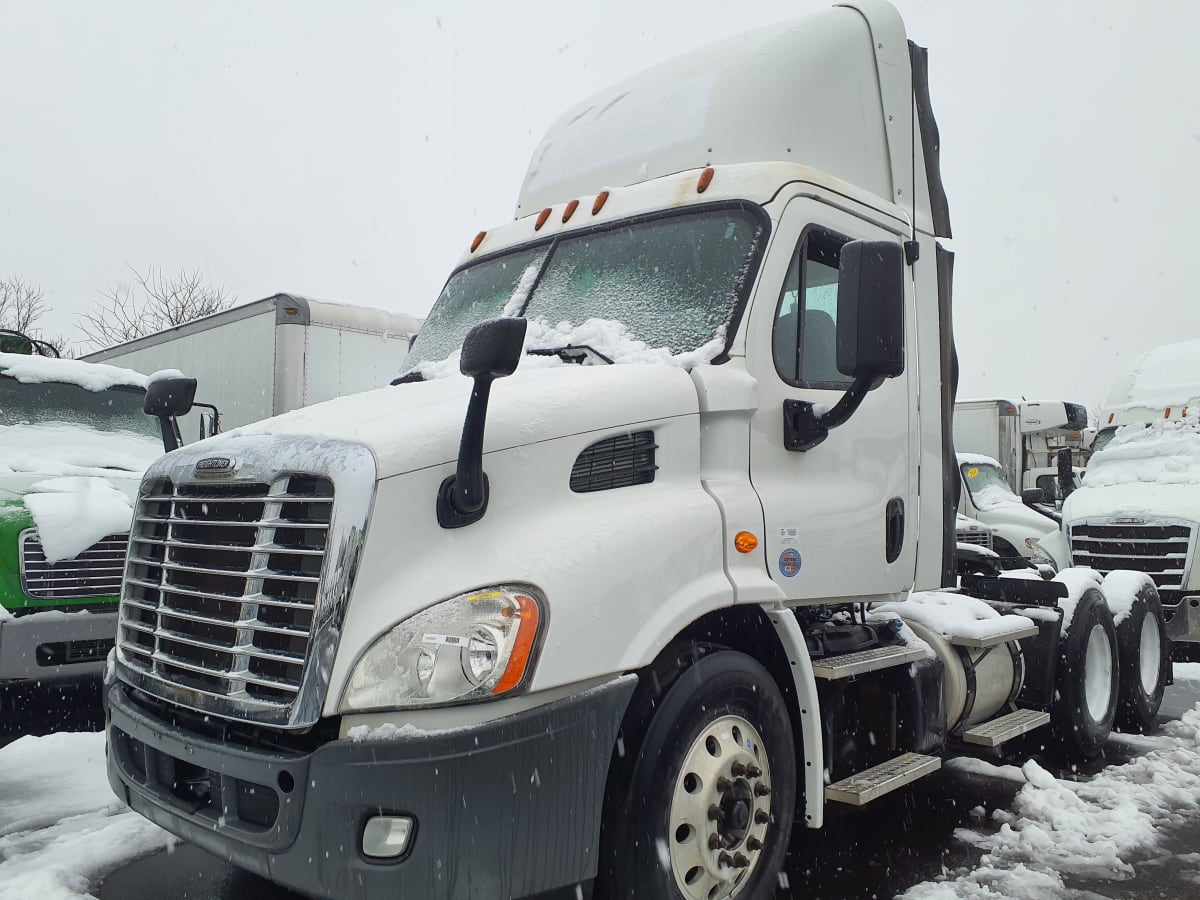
705	180
519	659
570	210
478	240
745	542
598	203
541	219
1111	416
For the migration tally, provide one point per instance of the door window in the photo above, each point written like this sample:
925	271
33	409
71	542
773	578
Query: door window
805	334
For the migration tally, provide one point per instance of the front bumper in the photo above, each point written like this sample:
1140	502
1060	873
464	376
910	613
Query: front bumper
1183	623
507	808
53	645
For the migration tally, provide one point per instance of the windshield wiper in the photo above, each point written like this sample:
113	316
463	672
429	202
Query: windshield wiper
572	353
409	377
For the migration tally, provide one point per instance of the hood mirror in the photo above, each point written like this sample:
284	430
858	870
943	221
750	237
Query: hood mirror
167	397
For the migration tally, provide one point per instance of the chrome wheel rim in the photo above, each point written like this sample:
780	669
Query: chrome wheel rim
1097	673
720	811
1149	654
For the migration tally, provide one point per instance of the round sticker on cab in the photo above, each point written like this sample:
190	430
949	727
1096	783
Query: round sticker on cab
972	472
789	562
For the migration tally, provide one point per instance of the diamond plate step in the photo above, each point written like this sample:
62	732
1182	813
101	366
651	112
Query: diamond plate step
873	783
992	640
1005	728
849	664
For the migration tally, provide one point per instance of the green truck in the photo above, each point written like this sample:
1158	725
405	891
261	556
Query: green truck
74	442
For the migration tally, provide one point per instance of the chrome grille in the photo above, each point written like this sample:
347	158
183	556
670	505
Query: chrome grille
222	585
982	538
96	572
1160	548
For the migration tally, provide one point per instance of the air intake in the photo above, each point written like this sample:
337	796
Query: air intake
615	462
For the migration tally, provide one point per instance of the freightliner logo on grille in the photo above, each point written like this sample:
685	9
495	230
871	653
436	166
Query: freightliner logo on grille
215	466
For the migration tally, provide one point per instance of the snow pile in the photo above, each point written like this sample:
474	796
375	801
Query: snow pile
1121	589
521	293
1163	452
71	514
1084	829
605	336
954	615
60	825
89	376
388	731
994	496
1078	580
1166	376
69	449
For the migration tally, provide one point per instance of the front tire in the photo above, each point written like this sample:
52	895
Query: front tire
701	804
1085	702
1144	654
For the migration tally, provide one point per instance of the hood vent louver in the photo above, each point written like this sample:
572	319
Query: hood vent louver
615	462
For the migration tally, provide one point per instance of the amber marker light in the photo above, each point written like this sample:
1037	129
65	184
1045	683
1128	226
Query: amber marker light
478	240
706	178
523	648
745	542
570	210
598	203
541	219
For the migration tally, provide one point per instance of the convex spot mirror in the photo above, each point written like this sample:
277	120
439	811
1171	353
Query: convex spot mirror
171	395
870	310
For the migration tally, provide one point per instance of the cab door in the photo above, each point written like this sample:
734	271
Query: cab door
841	518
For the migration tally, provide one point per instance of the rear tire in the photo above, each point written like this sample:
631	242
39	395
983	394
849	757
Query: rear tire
1087	680
1144	655
722	718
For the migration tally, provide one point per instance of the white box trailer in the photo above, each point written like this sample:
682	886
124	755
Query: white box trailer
274	355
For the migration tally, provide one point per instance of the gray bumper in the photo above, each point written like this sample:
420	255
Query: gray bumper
1184	624
507	808
52	646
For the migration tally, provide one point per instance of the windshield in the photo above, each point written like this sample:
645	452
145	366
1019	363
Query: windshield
987	485
1102	438
116	409
671	282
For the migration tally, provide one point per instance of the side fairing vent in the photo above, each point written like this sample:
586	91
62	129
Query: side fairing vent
615	462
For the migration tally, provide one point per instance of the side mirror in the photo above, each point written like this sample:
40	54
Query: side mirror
1066	472
870	301
491	350
1032	496
169	396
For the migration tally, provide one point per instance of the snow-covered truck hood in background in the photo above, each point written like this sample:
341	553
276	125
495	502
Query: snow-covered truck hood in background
1140	500
414	426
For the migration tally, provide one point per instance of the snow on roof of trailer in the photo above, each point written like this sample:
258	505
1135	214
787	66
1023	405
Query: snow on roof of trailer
1165	376
848	115
89	376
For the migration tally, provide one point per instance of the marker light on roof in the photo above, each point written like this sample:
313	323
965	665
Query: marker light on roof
541	219
570	210
706	178
478	240
598	203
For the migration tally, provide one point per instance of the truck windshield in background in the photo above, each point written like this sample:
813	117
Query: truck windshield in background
987	485
672	281
118	409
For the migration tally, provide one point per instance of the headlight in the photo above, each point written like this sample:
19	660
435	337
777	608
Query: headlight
471	647
1039	555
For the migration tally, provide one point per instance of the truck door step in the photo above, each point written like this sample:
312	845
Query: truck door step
1018	633
1005	728
847	665
872	783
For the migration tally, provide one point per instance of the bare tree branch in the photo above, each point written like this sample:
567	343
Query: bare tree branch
21	306
153	301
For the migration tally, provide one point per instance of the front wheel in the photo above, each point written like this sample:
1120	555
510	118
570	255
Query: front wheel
702	804
1085	702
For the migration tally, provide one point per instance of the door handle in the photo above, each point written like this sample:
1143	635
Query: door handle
893	524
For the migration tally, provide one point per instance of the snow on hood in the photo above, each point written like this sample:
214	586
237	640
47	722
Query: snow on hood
1166	376
89	376
417	425
71	449
606	336
1170	501
1163	452
71	514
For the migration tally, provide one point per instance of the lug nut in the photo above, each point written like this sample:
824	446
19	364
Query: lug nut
761	817
753	771
761	790
714	842
740	861
753	843
738	769
724	785
724	859
715	814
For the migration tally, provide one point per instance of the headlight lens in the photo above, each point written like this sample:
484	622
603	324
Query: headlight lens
1038	553
471	647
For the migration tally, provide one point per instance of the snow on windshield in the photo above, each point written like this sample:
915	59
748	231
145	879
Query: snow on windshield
89	376
1164	452
54	448
984	479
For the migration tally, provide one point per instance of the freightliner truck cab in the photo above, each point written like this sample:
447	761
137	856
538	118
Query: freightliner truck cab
661	575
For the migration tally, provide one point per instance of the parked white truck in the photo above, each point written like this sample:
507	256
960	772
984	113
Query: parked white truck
274	355
1139	507
662	606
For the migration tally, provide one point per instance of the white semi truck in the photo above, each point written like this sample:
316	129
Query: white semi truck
615	610
274	355
1139	507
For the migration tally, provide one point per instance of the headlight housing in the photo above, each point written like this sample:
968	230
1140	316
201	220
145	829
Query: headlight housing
1038	554
474	646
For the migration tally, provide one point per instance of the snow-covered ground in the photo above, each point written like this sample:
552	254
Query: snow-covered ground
61	827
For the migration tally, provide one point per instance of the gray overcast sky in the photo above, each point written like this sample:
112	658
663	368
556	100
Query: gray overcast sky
351	150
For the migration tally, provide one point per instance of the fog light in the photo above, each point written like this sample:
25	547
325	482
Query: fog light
386	837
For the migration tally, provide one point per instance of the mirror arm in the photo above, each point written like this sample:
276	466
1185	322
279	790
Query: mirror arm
803	429
170	434
216	416
1053	517
463	497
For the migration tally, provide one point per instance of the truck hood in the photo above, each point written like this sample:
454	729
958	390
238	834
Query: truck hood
1017	516
1145	499
64	449
414	426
